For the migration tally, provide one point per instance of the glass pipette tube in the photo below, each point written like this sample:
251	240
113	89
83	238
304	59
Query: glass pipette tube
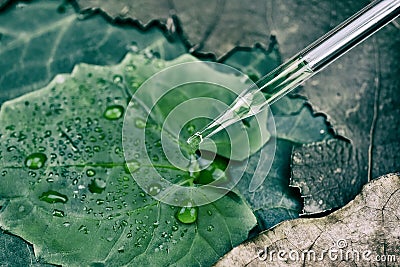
303	66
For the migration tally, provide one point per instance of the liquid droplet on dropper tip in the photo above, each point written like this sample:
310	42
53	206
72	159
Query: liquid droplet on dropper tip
195	140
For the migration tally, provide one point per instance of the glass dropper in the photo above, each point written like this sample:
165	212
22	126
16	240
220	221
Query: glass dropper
303	65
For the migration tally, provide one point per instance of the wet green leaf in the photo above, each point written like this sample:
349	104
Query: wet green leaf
73	197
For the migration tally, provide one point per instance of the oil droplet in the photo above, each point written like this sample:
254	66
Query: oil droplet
90	173
187	214
154	189
53	197
58	213
139	123
114	112
210	228
35	161
97	186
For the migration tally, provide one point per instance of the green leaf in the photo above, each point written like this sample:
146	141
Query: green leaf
66	187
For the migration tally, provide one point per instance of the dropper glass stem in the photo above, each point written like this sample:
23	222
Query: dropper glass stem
303	66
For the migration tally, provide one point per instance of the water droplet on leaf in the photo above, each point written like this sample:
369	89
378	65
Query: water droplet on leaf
139	123
53	197
83	229
114	112
117	79
35	161
11	148
154	189
187	214
97	186
133	165
90	173
58	213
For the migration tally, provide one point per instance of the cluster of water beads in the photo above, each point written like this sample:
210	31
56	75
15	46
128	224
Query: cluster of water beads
185	215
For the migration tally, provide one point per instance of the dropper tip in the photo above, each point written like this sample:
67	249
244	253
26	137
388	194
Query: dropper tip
195	139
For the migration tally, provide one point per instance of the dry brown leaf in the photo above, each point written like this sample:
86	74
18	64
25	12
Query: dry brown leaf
366	232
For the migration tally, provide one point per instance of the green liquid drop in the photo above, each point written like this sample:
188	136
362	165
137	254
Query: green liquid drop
97	186
187	215
35	161
114	112
53	197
